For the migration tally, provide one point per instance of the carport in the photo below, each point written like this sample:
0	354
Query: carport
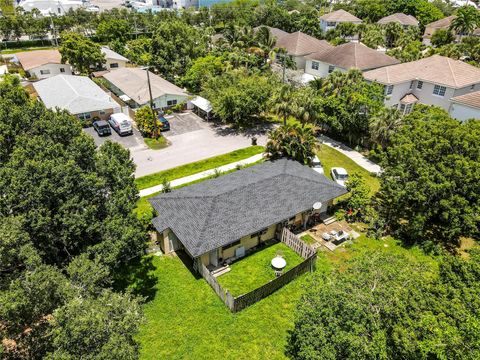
202	107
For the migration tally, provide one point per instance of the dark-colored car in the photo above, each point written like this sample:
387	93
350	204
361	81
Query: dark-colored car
165	125
102	128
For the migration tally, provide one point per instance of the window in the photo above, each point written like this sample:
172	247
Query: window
113	65
408	109
402	108
315	65
411	84
472	87
389	89
231	245
395	106
420	85
171	102
102	112
44	72
85	116
331	68
62	70
439	90
331	23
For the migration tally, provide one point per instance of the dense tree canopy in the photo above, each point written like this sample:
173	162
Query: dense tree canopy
80	52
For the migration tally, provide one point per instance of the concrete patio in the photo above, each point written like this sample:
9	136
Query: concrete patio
318	230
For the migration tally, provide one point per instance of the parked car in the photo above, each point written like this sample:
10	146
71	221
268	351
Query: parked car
339	175
121	123
317	165
165	125
102	128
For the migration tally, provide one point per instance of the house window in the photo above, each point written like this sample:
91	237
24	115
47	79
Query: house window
439	90
231	245
113	65
420	85
331	23
331	68
171	102
389	89
44	72
411	84
85	116
62	70
408	108
102	112
315	65
402	108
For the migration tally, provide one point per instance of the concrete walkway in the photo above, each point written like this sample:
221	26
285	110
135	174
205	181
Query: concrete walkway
358	158
201	175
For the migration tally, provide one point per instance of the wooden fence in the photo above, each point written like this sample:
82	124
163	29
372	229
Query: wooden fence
241	302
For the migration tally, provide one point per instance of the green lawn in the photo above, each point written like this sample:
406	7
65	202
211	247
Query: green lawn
255	270
308	239
145	182
330	157
156	144
186	320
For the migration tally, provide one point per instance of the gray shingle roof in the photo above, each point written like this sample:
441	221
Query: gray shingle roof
220	211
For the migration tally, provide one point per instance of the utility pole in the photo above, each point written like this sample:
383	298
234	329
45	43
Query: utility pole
54	32
147	68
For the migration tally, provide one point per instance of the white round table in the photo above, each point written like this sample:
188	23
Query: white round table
279	262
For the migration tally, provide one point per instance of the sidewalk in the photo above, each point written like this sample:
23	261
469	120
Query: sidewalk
201	175
358	158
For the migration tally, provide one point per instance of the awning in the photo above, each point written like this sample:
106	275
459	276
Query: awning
409	99
124	98
202	103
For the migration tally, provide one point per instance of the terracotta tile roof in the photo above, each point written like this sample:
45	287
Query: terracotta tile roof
354	55
340	16
439	24
409	99
298	44
472	99
434	69
33	59
400	18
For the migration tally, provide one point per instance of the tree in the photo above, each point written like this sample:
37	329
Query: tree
467	19
442	37
80	52
429	187
201	71
373	37
383	125
293	142
281	104
147	122
139	51
359	195
114	29
384	306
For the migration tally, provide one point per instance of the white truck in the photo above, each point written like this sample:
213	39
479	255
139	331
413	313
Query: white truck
121	123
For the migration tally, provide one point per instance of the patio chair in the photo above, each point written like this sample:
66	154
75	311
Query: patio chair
278	273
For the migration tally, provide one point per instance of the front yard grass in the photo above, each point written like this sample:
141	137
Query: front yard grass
186	320
145	182
330	157
255	270
156	144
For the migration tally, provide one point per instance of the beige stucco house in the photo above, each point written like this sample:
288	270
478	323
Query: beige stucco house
42	64
465	107
331	20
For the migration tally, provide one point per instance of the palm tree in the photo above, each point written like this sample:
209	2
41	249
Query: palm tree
466	21
393	32
281	102
383	125
306	108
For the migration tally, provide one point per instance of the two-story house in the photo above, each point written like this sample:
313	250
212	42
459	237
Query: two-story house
331	20
399	18
344	57
433	81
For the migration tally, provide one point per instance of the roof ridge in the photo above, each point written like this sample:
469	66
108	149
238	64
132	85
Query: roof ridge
451	70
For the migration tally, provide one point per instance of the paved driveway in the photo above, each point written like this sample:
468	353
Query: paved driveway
191	139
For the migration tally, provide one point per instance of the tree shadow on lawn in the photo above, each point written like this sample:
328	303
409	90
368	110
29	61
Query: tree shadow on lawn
138	277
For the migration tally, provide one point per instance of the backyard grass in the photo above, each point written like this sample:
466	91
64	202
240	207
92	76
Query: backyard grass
308	239
186	320
255	270
145	182
156	144
330	157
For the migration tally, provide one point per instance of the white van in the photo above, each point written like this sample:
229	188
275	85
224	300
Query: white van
121	123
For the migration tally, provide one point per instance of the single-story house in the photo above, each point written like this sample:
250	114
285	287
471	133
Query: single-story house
330	20
133	83
299	45
113	60
347	56
43	64
275	32
464	107
219	220
400	18
434	80
77	94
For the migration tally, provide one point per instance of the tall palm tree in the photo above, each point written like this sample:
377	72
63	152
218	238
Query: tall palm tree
466	21
383	125
281	102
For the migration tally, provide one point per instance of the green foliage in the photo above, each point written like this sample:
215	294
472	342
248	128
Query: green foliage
359	195
442	37
80	52
410	52
383	125
429	187
148	122
387	306
138	51
202	70
113	29
373	36
239	97
291	141
466	21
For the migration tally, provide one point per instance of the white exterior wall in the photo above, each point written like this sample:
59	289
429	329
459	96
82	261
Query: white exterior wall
463	112
109	61
183	4
322	68
399	91
426	96
53	68
162	101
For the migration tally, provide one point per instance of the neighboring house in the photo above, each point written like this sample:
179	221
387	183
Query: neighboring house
43	64
400	18
344	57
131	84
77	94
113	60
299	45
466	106
432	81
219	220
331	20
434	26
276	32
51	7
